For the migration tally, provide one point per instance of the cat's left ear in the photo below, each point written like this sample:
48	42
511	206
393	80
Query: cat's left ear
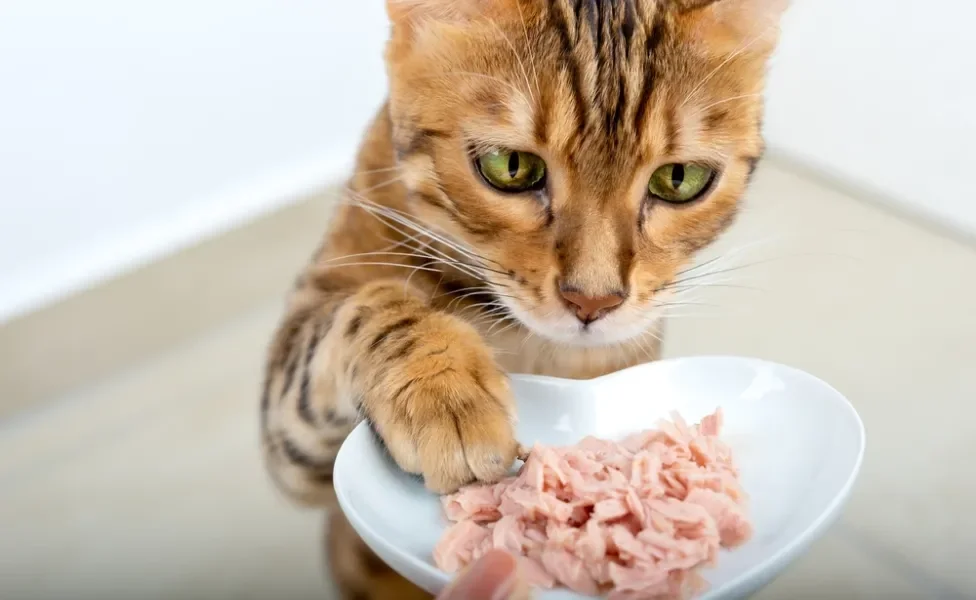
731	25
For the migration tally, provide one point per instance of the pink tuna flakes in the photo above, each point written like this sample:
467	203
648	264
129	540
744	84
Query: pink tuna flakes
634	519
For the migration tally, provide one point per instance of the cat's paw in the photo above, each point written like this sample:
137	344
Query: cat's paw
449	415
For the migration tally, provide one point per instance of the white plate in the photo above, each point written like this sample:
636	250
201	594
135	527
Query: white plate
798	441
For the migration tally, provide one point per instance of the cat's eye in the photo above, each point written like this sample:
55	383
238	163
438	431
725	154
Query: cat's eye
512	171
680	183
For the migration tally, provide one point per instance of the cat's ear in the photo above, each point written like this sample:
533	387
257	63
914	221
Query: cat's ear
731	25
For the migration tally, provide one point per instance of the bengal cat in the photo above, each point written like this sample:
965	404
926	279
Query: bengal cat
528	200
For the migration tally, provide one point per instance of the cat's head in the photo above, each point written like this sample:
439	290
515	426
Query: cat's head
584	150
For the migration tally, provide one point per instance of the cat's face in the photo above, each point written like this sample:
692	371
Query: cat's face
583	149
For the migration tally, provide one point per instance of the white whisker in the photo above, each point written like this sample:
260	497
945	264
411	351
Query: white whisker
380	264
518	57
379	214
528	43
375	171
732	56
732	99
407	221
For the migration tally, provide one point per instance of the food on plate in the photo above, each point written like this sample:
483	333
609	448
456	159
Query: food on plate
634	519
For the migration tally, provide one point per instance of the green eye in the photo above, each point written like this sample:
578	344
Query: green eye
510	171
680	183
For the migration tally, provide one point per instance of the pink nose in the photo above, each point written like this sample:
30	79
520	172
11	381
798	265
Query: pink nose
590	308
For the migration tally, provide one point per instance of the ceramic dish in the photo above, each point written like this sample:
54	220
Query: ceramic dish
799	444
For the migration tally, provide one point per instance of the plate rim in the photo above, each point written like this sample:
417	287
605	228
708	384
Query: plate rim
773	565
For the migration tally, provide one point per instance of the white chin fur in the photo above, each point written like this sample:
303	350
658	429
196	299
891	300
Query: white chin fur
564	328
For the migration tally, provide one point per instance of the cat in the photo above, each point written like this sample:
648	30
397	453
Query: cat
528	199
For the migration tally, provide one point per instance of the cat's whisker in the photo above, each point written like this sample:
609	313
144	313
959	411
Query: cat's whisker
672	316
433	259
518	57
444	259
654	342
492	320
480	306
501	352
381	264
406	244
463	267
690	294
697	266
732	99
732	56
443	237
529	334
645	343
386	253
496	302
488	304
407	221
491	317
397	244
733	269
373	187
483	288
466	268
487	308
508	316
528	45
549	313
375	171
406	283
514	323
717	260
692	273
473	305
666	305
720	284
731	253
484	320
495	299
679	290
440	281
478	272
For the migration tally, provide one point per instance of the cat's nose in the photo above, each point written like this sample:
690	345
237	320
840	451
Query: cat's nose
590	308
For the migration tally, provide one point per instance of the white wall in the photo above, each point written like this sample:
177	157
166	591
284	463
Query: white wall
883	93
129	128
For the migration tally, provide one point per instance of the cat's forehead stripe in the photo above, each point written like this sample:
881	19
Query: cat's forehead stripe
608	50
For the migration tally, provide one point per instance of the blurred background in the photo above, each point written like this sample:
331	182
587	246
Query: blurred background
167	167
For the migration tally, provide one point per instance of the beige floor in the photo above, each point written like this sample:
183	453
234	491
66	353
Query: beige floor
148	485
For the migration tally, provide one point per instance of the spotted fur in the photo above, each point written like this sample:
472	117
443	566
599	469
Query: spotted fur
430	286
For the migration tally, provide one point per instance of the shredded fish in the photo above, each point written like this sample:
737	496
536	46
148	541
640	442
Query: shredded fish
635	519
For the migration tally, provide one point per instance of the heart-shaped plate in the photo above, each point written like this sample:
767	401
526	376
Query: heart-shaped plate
798	442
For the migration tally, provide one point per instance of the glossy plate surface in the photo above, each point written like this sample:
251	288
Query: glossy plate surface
798	442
